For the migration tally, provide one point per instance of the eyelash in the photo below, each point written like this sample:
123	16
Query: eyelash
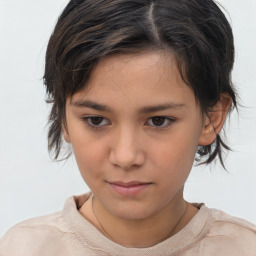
169	121
87	120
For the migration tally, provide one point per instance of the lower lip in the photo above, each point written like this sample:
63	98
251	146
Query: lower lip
129	190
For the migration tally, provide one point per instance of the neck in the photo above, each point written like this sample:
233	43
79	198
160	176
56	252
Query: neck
139	233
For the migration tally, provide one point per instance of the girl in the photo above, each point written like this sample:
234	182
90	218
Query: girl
140	89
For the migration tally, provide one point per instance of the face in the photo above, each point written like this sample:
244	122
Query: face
134	131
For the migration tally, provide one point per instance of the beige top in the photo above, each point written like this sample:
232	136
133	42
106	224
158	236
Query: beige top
67	233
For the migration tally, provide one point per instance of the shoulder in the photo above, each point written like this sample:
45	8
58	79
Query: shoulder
51	222
34	234
228	222
231	233
53	234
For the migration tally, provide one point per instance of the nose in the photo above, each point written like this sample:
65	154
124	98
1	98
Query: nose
126	150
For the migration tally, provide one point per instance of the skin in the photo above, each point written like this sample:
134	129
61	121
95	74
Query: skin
125	144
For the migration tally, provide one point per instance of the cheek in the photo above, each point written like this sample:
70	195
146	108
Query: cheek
176	154
90	163
89	154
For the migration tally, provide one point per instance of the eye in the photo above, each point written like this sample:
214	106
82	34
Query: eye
95	121
160	121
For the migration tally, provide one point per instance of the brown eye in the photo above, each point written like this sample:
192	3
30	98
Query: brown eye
96	120
158	120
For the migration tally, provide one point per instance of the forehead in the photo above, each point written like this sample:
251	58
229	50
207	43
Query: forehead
151	77
137	62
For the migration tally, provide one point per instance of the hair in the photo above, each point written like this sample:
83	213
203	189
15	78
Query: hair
196	32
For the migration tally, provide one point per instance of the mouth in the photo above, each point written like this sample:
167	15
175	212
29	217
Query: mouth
129	189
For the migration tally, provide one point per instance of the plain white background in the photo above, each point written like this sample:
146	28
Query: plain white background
32	185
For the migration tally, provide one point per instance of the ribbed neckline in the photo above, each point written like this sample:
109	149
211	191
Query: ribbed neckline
92	237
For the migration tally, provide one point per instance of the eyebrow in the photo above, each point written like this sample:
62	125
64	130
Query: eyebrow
91	104
144	110
151	109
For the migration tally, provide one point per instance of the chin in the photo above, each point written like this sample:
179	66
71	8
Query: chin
133	213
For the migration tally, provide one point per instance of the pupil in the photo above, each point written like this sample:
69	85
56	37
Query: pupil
96	120
158	120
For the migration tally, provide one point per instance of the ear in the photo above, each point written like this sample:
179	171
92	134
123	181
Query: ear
214	120
65	133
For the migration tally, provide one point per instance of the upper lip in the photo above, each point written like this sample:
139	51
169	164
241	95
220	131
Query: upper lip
128	184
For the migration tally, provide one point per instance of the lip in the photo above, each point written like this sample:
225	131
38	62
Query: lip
130	188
